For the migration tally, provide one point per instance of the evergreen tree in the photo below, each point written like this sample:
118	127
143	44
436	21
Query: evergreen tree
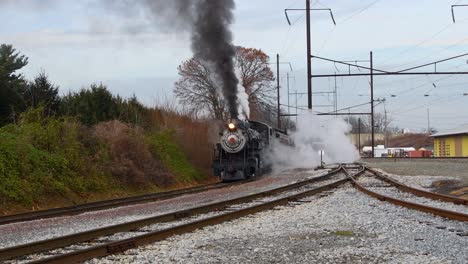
11	83
41	92
91	105
132	111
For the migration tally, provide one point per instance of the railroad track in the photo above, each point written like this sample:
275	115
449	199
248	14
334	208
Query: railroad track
389	190
118	238
107	204
114	239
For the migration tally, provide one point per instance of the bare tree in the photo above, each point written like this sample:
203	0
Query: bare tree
197	91
381	123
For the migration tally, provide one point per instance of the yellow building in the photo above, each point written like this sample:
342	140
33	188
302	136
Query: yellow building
451	143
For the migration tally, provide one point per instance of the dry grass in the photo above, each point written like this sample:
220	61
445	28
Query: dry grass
130	158
408	140
192	134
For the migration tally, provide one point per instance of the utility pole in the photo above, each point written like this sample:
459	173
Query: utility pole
385	126
349	114
278	91
289	106
372	103
309	52
309	58
359	135
296	105
336	97
428	124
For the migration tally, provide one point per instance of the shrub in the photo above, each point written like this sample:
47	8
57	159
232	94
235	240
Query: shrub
191	135
163	145
130	158
43	155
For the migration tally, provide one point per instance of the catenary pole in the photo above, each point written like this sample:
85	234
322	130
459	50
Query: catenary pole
309	58
372	103
278	91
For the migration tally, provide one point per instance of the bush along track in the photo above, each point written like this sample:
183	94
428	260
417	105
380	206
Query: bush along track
45	158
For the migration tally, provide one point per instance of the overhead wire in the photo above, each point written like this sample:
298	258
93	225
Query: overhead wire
415	46
355	13
360	11
435	54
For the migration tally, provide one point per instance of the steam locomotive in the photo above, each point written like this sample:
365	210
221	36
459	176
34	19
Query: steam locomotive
243	149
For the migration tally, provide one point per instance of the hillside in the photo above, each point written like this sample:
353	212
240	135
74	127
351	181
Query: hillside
411	140
50	161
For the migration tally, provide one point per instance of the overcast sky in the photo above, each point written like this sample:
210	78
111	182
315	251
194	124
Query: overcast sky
79	42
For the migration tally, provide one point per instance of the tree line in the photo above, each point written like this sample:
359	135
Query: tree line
196	91
90	105
382	124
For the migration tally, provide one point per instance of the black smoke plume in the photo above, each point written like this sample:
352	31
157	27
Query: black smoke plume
208	22
212	42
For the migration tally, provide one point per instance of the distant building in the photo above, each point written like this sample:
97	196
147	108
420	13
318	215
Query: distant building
451	143
365	138
381	152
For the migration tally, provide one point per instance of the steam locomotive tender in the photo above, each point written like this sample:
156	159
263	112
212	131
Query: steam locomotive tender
242	150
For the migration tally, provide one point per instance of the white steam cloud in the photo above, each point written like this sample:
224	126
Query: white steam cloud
243	102
242	98
312	137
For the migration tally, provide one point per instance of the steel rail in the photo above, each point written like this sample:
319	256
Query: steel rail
419	207
121	246
415	158
107	204
60	242
418	192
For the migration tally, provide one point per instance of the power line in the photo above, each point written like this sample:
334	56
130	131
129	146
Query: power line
330	34
417	45
435	54
359	11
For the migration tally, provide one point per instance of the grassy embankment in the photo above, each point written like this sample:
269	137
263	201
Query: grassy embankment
48	162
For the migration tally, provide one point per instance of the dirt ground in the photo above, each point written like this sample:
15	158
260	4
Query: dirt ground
450	168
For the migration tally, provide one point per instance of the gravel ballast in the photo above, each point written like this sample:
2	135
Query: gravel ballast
344	227
27	232
456	168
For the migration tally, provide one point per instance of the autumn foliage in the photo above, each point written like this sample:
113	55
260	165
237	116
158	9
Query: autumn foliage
198	92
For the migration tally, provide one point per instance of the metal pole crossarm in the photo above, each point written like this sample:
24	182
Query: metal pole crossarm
321	106
311	9
433	63
296	107
283	62
342	114
453	13
345	63
356	61
354	106
385	74
290	66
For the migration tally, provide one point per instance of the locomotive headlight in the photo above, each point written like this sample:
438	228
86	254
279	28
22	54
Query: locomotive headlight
231	126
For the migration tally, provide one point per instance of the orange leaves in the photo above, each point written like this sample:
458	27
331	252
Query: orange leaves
197	90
